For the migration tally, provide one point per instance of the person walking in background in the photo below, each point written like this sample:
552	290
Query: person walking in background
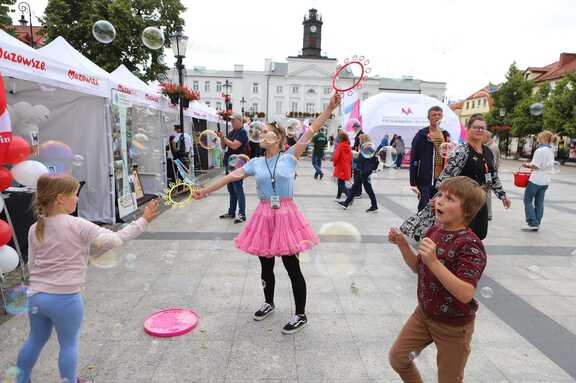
357	126
365	167
235	143
320	141
541	163
383	143
491	144
400	147
426	163
342	160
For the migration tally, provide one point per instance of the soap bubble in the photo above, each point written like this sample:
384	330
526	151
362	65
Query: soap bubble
16	301
139	140
388	156
447	149
536	109
236	161
368	150
153	38
57	156
34	310
486	292
130	260
255	131
208	139
77	160
555	168
104	31
355	154
413	355
341	252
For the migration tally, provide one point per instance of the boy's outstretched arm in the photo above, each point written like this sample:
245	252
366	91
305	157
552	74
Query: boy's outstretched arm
396	237
461	290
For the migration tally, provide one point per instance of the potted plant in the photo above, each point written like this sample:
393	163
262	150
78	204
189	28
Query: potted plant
187	95
173	91
225	114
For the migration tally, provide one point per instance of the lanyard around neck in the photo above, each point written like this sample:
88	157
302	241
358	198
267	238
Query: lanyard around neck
272	174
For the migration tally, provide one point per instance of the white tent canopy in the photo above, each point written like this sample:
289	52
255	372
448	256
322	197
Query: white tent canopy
404	114
126	82
19	61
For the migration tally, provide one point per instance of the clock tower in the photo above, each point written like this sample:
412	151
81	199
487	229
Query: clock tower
312	43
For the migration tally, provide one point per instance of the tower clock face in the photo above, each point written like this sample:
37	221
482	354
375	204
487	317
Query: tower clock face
313	28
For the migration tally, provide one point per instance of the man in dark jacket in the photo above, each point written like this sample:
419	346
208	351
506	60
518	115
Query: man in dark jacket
426	163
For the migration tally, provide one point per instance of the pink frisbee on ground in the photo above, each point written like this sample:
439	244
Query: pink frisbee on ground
171	322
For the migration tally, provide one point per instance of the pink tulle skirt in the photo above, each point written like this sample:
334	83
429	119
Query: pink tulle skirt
276	232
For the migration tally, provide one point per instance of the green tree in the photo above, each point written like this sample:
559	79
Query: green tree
508	96
5	19
560	107
73	20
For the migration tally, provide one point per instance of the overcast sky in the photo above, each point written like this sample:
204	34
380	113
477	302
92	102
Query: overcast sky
464	43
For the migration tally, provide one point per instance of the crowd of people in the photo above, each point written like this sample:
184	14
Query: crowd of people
448	256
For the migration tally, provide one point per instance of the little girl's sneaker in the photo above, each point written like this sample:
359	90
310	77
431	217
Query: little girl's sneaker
296	324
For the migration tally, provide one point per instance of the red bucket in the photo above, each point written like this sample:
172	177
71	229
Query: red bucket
521	178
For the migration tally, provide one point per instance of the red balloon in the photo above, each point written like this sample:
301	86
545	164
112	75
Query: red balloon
18	151
5	233
5	179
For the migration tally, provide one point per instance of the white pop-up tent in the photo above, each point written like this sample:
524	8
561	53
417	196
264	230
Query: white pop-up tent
404	115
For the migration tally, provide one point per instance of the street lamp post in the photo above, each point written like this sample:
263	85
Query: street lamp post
23	7
228	101
179	43
242	102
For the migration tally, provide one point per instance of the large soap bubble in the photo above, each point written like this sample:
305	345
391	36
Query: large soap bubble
153	38
104	31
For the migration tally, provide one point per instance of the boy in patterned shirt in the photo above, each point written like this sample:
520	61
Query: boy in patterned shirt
449	264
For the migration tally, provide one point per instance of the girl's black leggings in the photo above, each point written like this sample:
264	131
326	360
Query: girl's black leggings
292	265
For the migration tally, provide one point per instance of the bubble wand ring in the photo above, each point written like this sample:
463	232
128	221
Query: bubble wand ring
362	62
168	194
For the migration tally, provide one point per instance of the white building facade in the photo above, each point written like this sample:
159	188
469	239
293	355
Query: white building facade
301	85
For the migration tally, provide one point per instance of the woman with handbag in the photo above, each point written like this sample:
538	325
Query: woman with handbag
474	160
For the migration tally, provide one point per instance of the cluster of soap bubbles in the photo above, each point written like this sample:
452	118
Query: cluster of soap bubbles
104	32
208	140
537	109
368	150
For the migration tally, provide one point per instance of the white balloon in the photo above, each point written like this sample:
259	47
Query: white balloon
40	113
24	111
9	259
28	172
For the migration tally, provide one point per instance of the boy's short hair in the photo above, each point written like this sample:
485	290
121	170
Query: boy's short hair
473	195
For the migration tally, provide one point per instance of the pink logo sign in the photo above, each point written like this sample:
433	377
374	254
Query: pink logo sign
407	111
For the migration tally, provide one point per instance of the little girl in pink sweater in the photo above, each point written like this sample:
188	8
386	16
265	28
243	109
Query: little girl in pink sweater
58	248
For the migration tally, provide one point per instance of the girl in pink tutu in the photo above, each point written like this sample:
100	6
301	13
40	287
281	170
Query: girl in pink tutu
277	228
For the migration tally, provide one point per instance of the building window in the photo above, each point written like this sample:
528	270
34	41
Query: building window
207	103
195	85
310	92
466	104
218	86
218	105
294	106
327	91
279	89
207	86
278	107
310	107
484	101
255	88
295	89
255	107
